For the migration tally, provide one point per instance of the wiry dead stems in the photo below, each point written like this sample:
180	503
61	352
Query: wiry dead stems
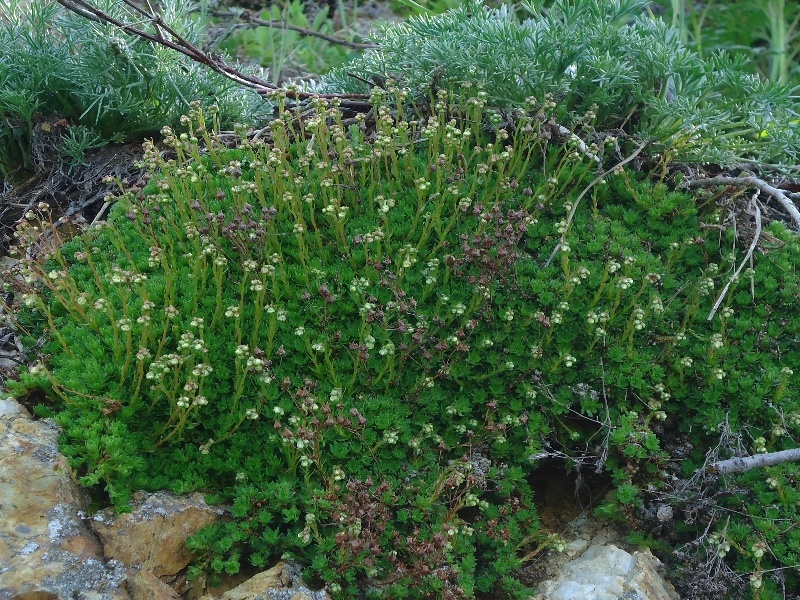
753	182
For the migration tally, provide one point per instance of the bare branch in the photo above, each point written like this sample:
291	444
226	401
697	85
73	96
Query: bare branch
357	102
249	17
757	214
741	464
750	181
594	182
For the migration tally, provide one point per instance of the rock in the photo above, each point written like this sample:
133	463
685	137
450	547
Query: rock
46	551
281	582
647	580
143	585
607	572
153	535
9	406
276	577
596	565
202	585
210	587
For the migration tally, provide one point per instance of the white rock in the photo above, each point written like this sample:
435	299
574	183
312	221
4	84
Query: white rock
576	547
607	572
9	406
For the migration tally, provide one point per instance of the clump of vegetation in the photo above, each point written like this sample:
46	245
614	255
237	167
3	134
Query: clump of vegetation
106	84
593	53
360	341
364	332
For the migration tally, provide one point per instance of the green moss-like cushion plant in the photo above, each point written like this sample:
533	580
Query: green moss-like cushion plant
356	339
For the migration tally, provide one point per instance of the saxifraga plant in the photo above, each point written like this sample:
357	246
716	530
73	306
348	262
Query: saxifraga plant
353	341
110	86
593	52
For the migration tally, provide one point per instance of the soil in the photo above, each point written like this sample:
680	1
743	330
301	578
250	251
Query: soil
562	494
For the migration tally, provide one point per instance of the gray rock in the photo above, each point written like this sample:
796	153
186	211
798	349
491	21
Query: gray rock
46	551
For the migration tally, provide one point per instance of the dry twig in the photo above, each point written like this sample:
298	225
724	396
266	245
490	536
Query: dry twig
747	257
751	181
176	42
740	464
575	204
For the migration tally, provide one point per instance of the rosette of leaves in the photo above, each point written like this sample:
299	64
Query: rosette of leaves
351	337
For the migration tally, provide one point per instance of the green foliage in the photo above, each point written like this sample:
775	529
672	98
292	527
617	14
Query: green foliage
766	31
109	85
78	141
286	52
353	340
408	8
765	538
586	53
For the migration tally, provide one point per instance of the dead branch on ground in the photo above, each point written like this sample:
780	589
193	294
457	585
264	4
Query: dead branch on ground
740	464
751	181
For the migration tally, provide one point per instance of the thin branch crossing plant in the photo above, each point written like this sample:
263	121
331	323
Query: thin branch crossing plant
180	44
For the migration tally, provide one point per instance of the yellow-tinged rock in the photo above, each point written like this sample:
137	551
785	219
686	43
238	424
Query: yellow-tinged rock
46	551
153	535
143	585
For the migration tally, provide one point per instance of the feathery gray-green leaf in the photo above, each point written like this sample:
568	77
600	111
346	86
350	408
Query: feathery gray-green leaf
591	52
